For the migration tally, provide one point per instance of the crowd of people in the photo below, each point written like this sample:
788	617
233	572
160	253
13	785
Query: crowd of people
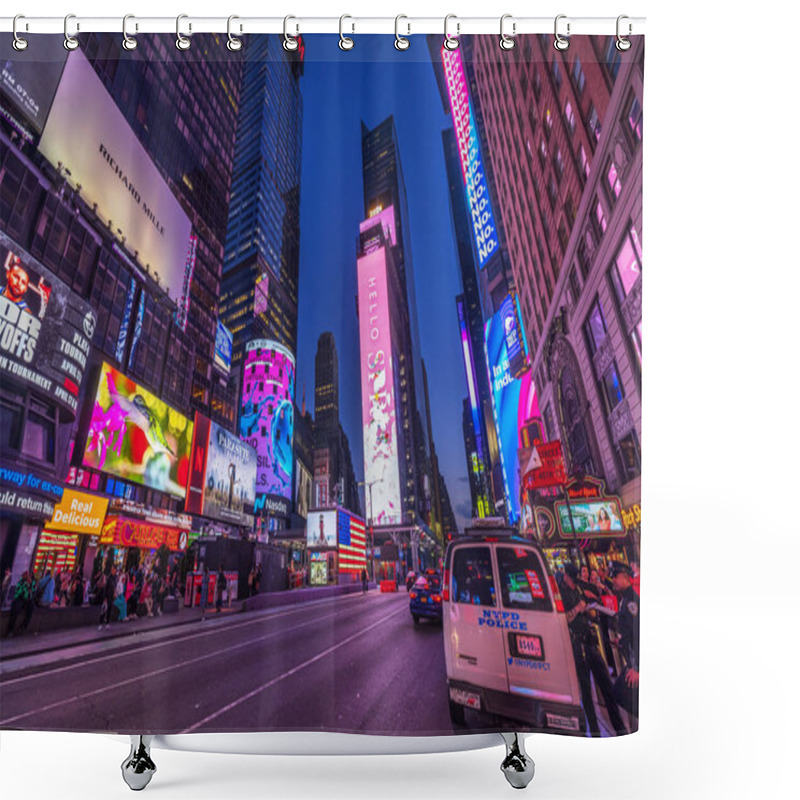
602	609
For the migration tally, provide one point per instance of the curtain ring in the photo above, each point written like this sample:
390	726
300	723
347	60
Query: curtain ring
560	43
19	43
182	43
70	42
623	44
128	42
507	42
345	42
451	42
289	42
400	42
234	44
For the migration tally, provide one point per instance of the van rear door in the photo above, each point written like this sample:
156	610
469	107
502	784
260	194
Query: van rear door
536	639
474	640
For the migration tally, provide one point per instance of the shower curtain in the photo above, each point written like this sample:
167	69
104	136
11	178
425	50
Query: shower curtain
320	380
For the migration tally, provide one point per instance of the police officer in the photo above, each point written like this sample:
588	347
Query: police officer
588	660
626	689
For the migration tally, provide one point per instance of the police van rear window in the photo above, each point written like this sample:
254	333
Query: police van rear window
473	582
522	580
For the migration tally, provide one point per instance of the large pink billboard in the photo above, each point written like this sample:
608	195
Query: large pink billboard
378	400
267	418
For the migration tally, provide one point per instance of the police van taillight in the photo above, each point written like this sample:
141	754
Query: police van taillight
556	594
446	586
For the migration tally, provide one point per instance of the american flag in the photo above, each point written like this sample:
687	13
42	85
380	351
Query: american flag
352	543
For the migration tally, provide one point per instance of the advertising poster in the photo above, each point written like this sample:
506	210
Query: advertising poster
378	400
28	81
267	418
230	486
598	517
302	490
138	437
79	512
87	133
513	402
321	529
223	349
45	329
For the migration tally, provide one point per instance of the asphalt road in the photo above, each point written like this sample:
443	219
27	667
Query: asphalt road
354	664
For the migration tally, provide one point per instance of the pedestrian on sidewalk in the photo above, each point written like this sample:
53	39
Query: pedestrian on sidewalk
147	595
204	592
222	585
626	688
120	598
364	584
159	589
4	589
108	592
47	589
21	604
257	581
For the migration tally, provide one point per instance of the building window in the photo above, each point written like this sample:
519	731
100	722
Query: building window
10	424
627	265
585	165
569	115
583	258
594	123
636	343
612	58
577	76
543	153
575	283
612	388
630	456
612	178
559	164
556	73
600	217
39	441
595	327
635	118
548	118
552	192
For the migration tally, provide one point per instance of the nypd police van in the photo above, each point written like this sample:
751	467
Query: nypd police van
507	646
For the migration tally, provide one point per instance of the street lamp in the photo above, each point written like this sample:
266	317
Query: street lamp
369	485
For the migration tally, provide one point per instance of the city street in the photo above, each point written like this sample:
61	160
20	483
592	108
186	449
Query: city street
349	664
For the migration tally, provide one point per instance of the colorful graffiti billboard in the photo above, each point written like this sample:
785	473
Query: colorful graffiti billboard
378	396
267	418
138	437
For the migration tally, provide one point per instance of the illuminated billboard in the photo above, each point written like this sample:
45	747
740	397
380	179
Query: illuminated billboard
267	418
352	537
514	403
28	80
223	349
321	528
45	329
479	206
596	518
302	490
222	483
138	437
378	396
87	134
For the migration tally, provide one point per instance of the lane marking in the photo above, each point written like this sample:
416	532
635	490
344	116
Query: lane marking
289	673
126	651
143	676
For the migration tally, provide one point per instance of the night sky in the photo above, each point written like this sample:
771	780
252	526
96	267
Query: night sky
340	89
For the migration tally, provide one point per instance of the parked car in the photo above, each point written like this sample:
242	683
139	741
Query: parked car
507	646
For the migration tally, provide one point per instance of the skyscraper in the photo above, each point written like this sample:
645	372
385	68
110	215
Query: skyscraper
262	243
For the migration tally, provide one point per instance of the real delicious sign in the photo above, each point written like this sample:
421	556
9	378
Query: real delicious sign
45	329
79	512
88	135
479	205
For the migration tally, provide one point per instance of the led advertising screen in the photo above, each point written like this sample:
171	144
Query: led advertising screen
378	398
28	81
267	418
138	437
223	349
45	329
591	519
352	543
479	206
222	483
302	490
321	528
513	403
88	135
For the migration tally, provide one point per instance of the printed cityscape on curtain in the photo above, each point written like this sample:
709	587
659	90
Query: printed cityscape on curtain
359	331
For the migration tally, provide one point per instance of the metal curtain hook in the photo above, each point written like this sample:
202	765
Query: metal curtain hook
400	42
234	44
345	42
128	42
181	42
19	43
623	44
289	42
560	42
451	42
70	42
506	41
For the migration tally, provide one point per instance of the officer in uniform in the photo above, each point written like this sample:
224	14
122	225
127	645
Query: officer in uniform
626	689
588	660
